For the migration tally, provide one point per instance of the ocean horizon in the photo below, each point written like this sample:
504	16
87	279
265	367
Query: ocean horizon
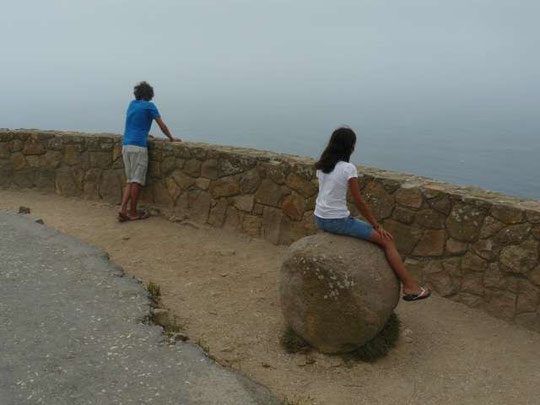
447	90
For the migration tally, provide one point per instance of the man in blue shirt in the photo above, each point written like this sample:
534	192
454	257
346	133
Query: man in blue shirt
140	114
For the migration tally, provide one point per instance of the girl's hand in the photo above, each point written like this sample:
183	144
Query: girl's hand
384	233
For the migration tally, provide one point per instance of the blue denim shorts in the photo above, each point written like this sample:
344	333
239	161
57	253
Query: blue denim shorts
345	226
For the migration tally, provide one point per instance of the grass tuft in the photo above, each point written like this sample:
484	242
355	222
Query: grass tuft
172	328
292	343
154	290
370	352
381	344
298	401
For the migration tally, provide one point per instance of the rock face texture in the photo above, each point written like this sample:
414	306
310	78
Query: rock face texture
337	292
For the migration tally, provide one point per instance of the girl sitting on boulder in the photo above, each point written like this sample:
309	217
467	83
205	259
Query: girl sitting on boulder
336	175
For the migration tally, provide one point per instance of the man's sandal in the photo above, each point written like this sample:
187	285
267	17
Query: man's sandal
122	217
423	294
140	215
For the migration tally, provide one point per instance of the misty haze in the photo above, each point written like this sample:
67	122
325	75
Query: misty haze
442	89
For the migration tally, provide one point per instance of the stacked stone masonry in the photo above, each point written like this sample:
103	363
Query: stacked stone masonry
469	245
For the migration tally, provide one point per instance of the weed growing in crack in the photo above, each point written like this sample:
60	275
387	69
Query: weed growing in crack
155	291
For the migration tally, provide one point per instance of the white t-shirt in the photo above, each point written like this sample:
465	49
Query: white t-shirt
332	199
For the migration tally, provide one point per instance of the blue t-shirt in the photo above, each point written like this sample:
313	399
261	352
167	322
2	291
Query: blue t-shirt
139	118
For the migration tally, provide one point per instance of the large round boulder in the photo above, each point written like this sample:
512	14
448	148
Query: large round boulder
337	292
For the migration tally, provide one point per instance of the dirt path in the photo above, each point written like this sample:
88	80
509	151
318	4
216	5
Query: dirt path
223	288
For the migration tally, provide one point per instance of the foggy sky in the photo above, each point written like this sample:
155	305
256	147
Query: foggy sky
281	74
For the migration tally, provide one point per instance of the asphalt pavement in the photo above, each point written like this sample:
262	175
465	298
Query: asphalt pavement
75	330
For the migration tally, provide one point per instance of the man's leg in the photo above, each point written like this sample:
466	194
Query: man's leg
140	166
125	199
129	168
135	191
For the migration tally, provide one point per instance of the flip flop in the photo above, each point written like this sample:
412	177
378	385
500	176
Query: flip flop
424	293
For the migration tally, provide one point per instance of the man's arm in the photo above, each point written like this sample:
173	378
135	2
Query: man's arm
166	131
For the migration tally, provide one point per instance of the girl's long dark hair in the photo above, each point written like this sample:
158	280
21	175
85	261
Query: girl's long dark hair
340	147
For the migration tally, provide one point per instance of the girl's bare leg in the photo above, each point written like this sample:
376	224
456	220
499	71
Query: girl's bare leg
410	286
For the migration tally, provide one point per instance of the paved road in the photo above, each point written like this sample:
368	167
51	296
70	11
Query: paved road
73	331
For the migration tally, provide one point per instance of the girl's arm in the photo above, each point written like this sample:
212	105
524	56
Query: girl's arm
364	208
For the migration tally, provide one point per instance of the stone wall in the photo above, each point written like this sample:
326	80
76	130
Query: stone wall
470	245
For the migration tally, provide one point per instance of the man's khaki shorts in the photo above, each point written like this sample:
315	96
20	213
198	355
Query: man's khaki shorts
136	163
